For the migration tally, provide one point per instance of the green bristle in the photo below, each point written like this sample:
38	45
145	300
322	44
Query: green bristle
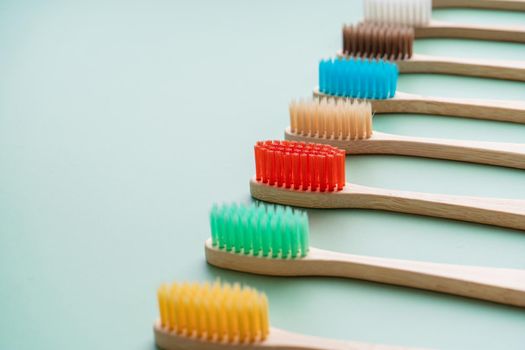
237	233
265	235
220	227
304	235
285	239
266	230
254	225
275	228
247	243
294	245
229	228
213	224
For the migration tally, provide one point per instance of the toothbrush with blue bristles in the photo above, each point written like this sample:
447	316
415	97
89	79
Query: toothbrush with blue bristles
376	81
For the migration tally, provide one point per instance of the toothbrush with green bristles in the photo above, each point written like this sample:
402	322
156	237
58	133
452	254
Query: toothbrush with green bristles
274	240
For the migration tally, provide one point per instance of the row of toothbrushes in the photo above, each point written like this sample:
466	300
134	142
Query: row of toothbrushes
308	170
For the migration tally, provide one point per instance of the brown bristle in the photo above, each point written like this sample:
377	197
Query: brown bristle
378	41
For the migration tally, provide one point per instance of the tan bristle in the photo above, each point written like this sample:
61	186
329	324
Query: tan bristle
378	41
340	119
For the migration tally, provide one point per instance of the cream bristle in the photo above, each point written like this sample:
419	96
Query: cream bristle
221	312
330	118
416	13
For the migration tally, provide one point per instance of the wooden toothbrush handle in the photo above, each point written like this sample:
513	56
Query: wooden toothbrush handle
277	339
506	286
509	70
402	102
493	153
491	211
500	110
437	29
512	5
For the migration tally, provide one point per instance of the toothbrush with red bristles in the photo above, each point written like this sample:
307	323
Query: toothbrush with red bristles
312	175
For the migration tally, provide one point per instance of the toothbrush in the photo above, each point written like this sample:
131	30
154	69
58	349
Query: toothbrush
347	125
274	240
418	13
313	176
510	5
201	316
394	42
376	80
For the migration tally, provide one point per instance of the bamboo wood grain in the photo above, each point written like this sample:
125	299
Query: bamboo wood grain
438	29
483	68
506	286
500	110
509	70
510	5
491	211
277	340
493	153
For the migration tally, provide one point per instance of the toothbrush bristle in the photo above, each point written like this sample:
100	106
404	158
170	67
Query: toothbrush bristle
300	165
260	230
217	312
358	78
368	40
329	118
416	13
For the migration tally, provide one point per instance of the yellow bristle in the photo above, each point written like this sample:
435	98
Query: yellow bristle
172	316
220	312
332	119
265	322
163	306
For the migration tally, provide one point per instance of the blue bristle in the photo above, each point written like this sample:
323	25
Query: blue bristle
358	78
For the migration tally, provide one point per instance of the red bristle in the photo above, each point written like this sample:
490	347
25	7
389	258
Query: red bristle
258	158
305	166
322	173
314	172
287	170
270	166
330	172
341	170
304	171
296	170
279	168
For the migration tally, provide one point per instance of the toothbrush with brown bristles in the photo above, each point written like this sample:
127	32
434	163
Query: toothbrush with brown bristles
418	14
395	43
348	124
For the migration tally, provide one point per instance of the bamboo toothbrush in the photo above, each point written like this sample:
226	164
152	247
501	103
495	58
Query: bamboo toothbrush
510	5
271	240
221	316
376	80
418	13
347	125
313	176
395	42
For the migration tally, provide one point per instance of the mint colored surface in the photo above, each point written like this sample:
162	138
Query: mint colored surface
122	122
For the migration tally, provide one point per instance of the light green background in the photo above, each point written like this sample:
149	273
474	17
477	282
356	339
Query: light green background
121	122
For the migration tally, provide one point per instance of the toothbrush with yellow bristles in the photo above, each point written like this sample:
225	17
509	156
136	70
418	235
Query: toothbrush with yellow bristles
347	125
203	316
274	240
